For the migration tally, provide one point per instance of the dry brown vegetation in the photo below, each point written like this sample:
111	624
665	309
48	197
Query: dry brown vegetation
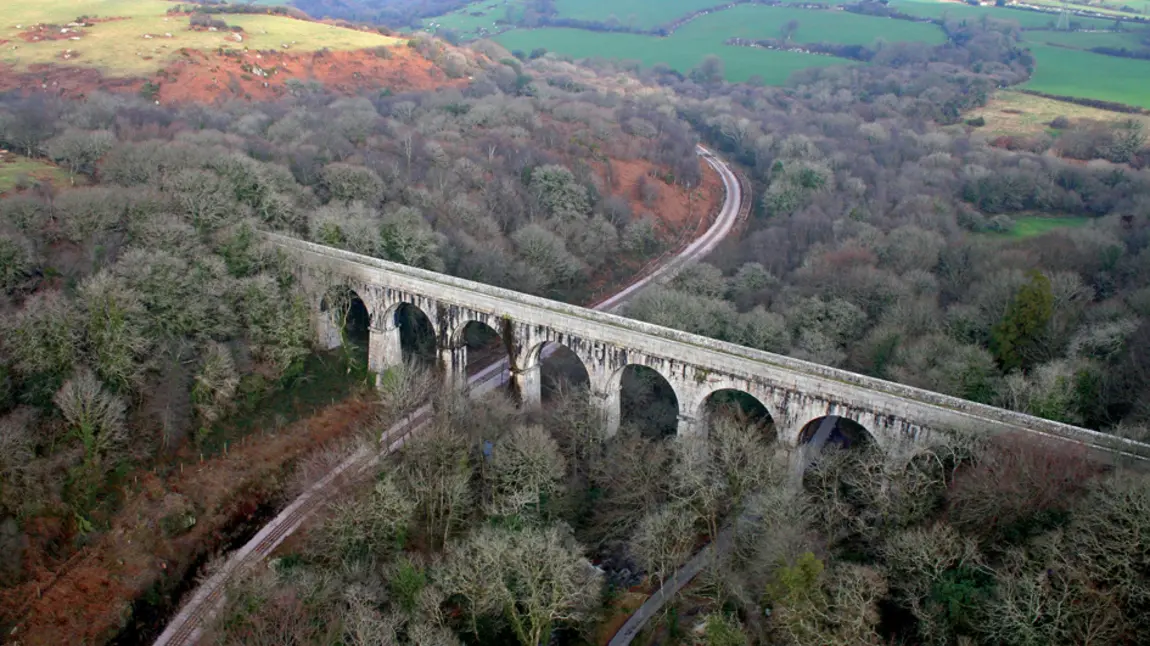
1014	113
148	546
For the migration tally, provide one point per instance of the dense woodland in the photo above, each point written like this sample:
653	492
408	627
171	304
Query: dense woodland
493	526
138	309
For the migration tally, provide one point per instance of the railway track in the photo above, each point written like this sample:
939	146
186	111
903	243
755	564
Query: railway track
187	626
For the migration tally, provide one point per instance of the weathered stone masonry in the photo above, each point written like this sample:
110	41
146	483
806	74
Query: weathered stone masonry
794	392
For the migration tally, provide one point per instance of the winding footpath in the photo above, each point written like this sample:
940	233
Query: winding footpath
187	626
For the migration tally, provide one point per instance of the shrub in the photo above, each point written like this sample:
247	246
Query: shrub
1017	489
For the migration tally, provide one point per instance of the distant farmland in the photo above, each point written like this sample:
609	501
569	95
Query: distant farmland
707	34
1076	73
840	27
679	52
1064	67
1082	39
643	14
959	11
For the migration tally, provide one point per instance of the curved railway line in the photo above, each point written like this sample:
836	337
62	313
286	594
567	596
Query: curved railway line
187	626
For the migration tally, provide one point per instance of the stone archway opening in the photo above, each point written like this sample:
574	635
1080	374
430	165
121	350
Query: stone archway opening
835	431
648	402
484	345
741	408
835	462
561	371
351	321
416	334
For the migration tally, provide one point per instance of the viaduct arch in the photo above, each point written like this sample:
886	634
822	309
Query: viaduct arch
794	393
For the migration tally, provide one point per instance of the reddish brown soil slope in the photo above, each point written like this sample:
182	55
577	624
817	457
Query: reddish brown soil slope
209	77
204	77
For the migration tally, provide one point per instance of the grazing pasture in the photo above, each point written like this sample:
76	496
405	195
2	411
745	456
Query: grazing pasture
1085	74
1116	8
961	11
840	27
469	20
642	14
681	52
1084	39
137	42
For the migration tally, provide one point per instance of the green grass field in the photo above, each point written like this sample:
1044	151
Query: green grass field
1035	225
13	168
680	52
119	48
1083	39
1116	8
1084	74
643	14
956	10
705	35
826	2
639	14
468	25
757	22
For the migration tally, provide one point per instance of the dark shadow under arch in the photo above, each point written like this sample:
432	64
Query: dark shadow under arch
648	402
416	334
561	370
349	314
741	407
837	431
484	345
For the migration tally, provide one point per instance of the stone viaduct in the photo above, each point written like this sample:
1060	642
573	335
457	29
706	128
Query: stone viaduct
794	392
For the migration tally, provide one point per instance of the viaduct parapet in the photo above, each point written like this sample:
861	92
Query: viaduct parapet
794	392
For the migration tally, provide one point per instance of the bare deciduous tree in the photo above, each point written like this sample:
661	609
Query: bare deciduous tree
536	577
44	337
369	528
526	470
116	330
435	472
664	539
80	150
95	415
1049	603
633	483
916	561
17	450
402	389
215	384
